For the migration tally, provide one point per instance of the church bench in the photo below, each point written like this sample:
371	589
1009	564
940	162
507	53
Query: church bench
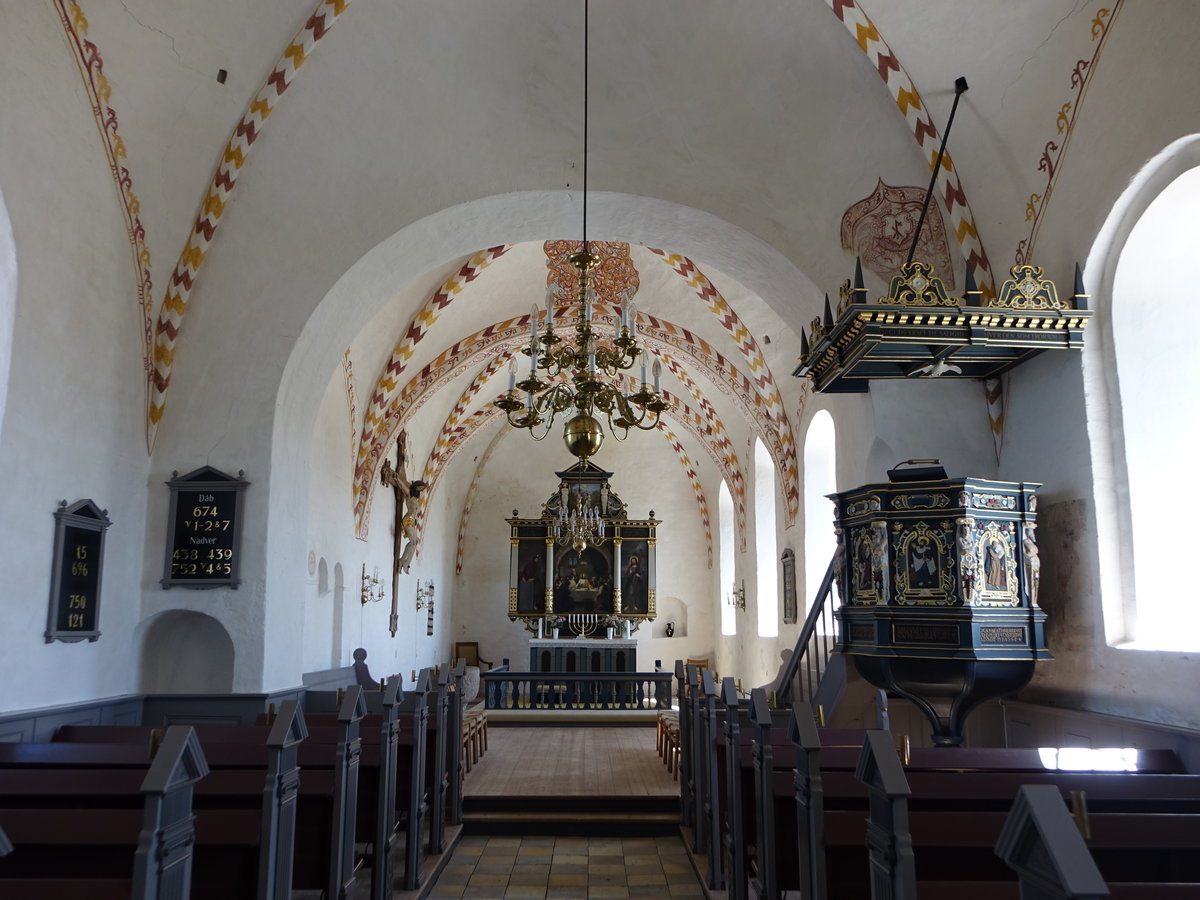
246	809
703	735
935	789
956	846
144	852
908	843
1104	791
440	761
322	853
406	804
941	787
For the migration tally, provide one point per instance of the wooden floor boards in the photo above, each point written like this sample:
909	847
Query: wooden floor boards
570	762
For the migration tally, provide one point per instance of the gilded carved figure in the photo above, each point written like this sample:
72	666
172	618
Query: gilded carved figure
1033	562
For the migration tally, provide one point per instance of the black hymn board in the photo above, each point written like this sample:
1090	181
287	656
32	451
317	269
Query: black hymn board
204	537
75	578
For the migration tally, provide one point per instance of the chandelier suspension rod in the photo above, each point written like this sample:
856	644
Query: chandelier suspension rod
585	122
960	87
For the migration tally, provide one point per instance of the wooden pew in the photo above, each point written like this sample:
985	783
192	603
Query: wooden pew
739	815
382	869
323	856
733	831
707	813
685	765
347	757
454	748
405	805
1131	848
268	805
120	851
437	737
805	798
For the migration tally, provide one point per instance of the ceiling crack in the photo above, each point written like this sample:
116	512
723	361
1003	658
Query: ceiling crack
125	6
1033	55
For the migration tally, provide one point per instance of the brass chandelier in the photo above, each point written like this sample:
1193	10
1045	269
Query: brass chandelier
579	527
583	374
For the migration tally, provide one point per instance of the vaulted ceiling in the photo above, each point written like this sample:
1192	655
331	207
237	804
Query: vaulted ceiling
740	156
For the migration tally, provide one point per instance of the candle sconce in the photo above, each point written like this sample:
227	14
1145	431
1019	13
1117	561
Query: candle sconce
372	589
425	596
737	597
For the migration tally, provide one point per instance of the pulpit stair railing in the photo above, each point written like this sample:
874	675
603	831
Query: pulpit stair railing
814	674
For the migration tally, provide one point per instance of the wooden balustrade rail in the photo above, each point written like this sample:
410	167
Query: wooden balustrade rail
577	690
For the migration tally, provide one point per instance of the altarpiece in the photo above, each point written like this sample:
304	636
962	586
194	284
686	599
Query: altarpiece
582	586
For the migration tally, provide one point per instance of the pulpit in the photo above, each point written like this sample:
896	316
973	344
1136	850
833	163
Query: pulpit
938	580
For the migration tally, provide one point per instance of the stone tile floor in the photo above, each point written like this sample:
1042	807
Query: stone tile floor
550	868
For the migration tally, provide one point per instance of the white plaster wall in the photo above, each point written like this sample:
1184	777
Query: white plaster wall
72	417
331	536
8	302
1084	535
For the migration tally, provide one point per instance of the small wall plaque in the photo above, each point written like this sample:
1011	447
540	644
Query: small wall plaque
75	578
204	530
790	611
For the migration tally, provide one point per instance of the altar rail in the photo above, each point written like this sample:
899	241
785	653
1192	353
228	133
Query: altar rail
577	690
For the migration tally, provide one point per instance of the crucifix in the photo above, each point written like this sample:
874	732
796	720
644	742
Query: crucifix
407	495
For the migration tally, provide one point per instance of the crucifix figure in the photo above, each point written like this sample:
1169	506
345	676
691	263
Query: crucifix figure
405	527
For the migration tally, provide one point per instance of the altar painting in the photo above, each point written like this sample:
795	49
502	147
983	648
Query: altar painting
635	590
551	573
583	581
531	577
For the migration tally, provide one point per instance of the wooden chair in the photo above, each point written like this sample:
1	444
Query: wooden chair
700	664
469	651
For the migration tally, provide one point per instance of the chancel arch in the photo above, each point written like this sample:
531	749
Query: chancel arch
385	281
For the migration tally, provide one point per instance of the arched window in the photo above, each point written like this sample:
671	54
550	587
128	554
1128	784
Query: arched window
765	542
820	480
1158	374
725	529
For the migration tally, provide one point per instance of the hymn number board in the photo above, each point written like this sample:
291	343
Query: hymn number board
75	578
204	530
